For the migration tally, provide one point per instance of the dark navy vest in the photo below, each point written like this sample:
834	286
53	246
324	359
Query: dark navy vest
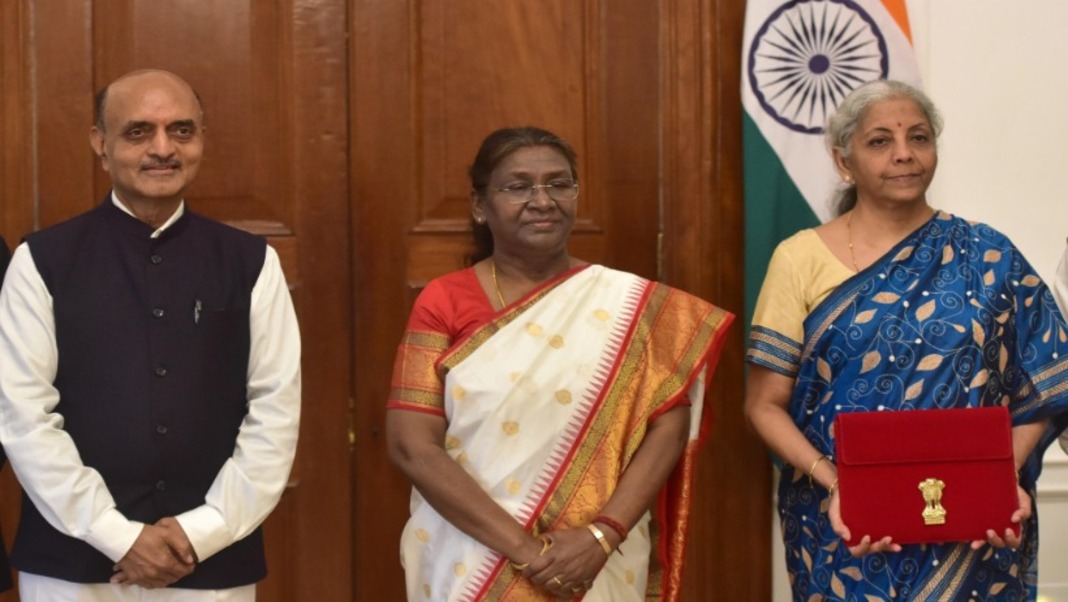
153	339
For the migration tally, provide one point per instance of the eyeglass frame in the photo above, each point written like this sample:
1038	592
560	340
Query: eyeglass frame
533	194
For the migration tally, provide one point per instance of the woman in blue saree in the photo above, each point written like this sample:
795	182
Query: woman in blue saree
896	306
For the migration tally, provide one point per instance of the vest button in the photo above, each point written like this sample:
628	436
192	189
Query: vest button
157	313
161	371
161	485
162	430
156	259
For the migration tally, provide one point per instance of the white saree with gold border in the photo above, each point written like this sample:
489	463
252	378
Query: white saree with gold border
545	407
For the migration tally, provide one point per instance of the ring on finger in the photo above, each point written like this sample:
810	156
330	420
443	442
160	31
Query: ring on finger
557	581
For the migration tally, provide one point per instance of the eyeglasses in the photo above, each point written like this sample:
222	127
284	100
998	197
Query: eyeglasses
524	192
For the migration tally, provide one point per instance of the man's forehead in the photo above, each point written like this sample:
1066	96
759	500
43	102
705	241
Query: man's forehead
151	96
150	78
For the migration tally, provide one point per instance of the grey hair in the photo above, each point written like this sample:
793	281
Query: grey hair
851	111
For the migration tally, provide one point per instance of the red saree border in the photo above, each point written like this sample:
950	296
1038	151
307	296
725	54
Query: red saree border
675	502
548	492
603	385
419	389
662	313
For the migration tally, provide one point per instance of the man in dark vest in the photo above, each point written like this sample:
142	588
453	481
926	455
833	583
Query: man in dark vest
149	376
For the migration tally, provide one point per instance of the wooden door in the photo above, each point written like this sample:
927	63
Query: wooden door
646	92
272	79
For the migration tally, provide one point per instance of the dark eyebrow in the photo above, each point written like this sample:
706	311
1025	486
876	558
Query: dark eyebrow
524	172
187	123
129	125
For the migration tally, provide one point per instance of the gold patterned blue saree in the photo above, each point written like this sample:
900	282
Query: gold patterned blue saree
952	317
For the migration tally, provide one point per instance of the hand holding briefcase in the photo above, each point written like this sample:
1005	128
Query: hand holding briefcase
926	476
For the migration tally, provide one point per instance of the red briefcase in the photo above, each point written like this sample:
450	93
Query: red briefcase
926	476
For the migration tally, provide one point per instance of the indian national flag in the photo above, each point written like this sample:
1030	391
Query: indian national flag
800	58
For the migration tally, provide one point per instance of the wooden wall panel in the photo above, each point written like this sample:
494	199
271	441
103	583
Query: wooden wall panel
242	74
316	159
624	123
15	182
729	551
63	111
382	151
476	70
16	118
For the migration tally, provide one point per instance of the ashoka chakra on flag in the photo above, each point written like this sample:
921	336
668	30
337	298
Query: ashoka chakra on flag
810	54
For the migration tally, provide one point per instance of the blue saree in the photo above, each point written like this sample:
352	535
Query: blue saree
953	316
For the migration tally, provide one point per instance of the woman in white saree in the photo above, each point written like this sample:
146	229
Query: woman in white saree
547	411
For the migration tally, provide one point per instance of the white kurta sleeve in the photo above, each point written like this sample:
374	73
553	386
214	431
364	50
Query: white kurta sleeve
71	496
251	481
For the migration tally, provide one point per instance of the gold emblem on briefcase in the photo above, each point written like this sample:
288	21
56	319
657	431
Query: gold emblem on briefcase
933	512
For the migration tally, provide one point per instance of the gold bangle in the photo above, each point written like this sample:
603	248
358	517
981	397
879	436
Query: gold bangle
546	543
812	470
834	485
600	539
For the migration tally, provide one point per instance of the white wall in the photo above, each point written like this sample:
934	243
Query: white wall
998	72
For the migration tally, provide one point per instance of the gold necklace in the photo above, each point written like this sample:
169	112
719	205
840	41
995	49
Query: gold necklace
496	286
849	234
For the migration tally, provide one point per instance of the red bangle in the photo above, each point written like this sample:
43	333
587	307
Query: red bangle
613	524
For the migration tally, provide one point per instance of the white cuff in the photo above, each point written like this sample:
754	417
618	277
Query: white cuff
113	534
206	530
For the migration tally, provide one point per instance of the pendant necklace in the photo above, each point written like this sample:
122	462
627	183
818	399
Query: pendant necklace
849	234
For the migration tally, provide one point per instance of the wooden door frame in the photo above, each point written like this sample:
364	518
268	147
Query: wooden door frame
730	545
16	182
16	165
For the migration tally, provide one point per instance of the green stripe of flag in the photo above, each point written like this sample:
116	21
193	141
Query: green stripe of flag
774	209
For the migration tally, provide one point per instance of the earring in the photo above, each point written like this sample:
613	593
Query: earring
848	180
479	220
